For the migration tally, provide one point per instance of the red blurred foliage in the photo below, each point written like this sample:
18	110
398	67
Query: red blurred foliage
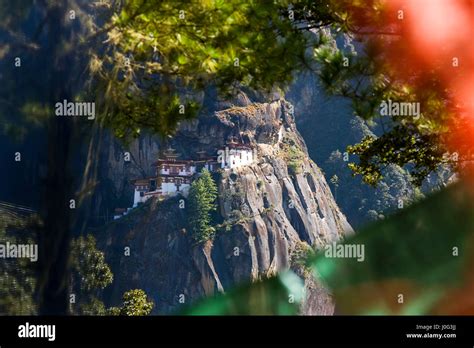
431	40
439	36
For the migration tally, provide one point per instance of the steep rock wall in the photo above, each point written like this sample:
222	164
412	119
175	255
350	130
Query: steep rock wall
268	210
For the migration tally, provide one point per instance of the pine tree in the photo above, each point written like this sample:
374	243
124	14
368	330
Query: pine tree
202	199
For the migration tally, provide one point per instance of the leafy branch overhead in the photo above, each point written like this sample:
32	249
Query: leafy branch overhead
161	56
398	146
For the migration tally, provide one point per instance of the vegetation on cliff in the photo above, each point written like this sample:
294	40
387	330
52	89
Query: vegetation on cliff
90	274
135	303
202	203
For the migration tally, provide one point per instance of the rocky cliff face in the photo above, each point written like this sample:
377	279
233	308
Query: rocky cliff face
270	211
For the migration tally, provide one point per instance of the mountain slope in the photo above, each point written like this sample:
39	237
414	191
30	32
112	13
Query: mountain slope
269	212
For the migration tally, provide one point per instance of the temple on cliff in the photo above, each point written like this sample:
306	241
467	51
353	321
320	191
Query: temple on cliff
235	154
173	176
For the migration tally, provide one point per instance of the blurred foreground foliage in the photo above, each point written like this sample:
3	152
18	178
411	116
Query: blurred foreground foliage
279	295
17	276
424	253
162	57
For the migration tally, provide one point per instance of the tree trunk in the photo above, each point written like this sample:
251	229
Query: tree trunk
54	235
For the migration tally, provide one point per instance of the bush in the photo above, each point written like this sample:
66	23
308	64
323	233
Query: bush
135	303
292	155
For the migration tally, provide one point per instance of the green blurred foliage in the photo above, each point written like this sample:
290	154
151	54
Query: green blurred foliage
164	53
424	253
280	295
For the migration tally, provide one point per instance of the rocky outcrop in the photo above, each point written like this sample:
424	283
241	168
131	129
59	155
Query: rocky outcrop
267	210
